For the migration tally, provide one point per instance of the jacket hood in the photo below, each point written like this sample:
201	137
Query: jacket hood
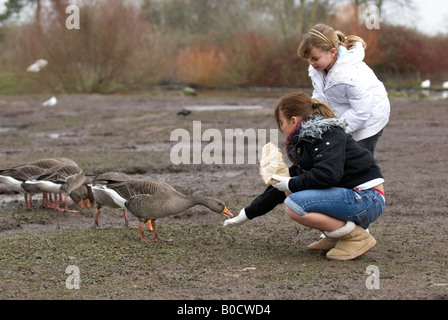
317	125
352	56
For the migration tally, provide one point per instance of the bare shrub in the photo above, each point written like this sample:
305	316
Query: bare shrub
115	48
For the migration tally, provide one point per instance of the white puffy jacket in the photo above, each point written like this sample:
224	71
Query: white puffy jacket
354	93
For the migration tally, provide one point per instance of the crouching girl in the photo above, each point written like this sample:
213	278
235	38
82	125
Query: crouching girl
335	185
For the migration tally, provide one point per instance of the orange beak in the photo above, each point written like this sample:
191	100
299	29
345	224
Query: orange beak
226	213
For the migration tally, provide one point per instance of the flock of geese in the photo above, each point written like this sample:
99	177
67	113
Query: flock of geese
146	199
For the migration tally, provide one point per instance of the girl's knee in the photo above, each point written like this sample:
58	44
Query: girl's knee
289	212
293	215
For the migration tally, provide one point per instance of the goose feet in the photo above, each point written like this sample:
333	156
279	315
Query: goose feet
65	207
151	224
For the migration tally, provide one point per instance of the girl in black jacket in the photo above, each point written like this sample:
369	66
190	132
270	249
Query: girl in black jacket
335	185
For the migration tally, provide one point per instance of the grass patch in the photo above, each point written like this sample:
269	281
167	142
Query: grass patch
17	83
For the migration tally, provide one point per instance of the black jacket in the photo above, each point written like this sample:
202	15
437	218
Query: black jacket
327	157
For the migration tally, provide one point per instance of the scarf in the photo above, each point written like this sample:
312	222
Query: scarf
291	143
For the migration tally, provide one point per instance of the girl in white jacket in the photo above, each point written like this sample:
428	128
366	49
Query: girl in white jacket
342	80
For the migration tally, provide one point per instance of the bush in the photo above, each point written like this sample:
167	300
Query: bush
114	49
248	60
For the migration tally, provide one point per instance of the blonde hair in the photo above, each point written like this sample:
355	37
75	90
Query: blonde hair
325	38
300	104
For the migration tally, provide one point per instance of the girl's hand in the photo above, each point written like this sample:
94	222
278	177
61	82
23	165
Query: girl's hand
237	221
283	183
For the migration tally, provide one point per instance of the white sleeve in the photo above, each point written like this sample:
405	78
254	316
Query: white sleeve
361	106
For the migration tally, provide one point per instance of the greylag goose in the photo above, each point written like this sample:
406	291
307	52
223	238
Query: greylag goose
83	194
102	198
14	177
149	200
60	179
48	163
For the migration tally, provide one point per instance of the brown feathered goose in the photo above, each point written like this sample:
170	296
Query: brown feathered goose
48	163
83	194
102	198
14	177
149	200
61	179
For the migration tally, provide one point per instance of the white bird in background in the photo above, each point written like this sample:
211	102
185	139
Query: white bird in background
426	83
37	66
445	85
50	102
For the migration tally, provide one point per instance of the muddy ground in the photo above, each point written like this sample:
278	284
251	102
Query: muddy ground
264	259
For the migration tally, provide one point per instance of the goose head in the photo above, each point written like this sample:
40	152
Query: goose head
217	206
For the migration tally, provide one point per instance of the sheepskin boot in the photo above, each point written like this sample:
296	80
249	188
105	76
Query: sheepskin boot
351	245
325	244
329	239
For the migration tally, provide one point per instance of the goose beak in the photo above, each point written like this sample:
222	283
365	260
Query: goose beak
226	213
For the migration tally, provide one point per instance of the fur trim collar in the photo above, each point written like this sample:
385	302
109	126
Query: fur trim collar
317	125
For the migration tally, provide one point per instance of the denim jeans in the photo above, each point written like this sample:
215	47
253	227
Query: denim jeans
361	207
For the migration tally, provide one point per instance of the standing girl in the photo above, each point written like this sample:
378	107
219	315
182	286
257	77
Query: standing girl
335	185
342	80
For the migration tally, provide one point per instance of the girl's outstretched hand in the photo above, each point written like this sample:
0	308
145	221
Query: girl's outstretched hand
237	221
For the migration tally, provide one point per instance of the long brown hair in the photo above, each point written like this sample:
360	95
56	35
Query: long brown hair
325	38
300	104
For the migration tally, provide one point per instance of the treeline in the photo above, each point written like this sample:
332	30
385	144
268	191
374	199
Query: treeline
126	45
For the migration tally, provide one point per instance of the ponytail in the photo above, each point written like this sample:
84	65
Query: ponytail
300	104
347	42
325	38
321	108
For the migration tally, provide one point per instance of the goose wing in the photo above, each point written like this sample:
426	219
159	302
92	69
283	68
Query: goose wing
23	172
143	206
60	174
135	187
48	163
110	177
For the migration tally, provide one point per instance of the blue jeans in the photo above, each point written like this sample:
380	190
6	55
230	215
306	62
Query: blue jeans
361	207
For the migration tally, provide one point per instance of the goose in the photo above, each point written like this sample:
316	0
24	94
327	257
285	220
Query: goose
83	194
48	163
426	83
50	102
60	179
37	66
102	198
149	200
14	177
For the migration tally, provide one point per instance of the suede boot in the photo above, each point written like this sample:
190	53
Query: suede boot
352	245
329	239
325	243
